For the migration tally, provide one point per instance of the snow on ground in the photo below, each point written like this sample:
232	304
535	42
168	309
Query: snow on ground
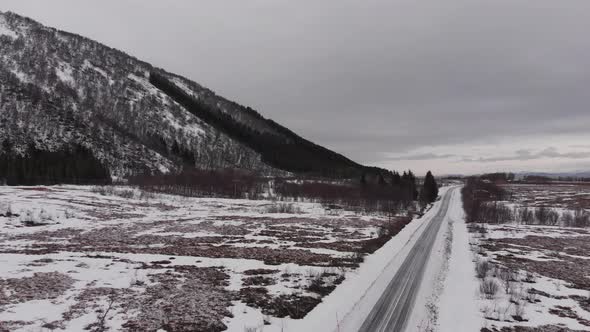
447	299
88	65
555	195
97	252
182	85
537	276
5	30
65	73
424	313
189	126
181	121
518	231
73	256
458	305
145	84
543	287
503	276
23	77
348	306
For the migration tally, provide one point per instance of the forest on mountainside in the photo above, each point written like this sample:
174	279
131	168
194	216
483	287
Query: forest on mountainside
279	147
76	165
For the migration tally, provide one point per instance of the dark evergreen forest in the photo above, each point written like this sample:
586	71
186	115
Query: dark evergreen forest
76	165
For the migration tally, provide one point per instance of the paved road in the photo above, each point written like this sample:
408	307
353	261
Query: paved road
393	309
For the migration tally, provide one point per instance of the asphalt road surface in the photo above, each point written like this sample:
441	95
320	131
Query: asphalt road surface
393	309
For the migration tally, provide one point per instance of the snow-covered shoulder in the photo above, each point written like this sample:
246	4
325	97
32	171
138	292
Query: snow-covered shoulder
458	303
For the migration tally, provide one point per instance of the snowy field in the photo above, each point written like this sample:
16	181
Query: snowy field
82	258
556	195
76	258
533	276
516	277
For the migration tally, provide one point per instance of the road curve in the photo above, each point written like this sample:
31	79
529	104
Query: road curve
393	309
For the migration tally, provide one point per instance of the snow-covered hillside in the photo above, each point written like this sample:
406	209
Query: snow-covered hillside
59	89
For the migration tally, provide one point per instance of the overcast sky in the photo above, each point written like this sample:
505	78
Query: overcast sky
456	86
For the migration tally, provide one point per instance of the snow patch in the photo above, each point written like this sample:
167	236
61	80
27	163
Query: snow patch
193	129
145	84
5	30
178	82
65	73
21	76
88	65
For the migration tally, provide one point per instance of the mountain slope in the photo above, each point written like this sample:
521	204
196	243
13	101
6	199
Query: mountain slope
65	94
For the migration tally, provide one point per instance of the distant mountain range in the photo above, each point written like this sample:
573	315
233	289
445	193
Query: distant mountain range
72	107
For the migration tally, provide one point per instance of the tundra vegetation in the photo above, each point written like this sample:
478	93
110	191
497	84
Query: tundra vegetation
529	238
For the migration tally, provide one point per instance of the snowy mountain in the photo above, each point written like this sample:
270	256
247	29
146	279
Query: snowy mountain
65	97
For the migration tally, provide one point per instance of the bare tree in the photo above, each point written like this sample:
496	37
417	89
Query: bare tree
552	217
482	267
526	216
489	287
581	218
568	218
542	214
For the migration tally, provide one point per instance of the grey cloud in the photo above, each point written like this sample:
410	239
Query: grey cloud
553	153
521	155
423	156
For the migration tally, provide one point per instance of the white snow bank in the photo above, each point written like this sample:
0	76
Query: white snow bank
424	313
459	306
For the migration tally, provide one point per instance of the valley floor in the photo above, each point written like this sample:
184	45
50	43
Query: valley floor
116	258
517	277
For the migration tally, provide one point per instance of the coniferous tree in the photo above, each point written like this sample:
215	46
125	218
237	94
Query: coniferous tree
429	189
396	179
381	180
363	180
73	165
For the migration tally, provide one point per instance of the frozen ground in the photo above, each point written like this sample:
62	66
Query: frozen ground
447	299
541	276
74	258
513	277
556	195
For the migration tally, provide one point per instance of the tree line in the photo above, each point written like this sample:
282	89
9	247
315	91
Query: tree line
390	194
69	165
229	183
499	177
